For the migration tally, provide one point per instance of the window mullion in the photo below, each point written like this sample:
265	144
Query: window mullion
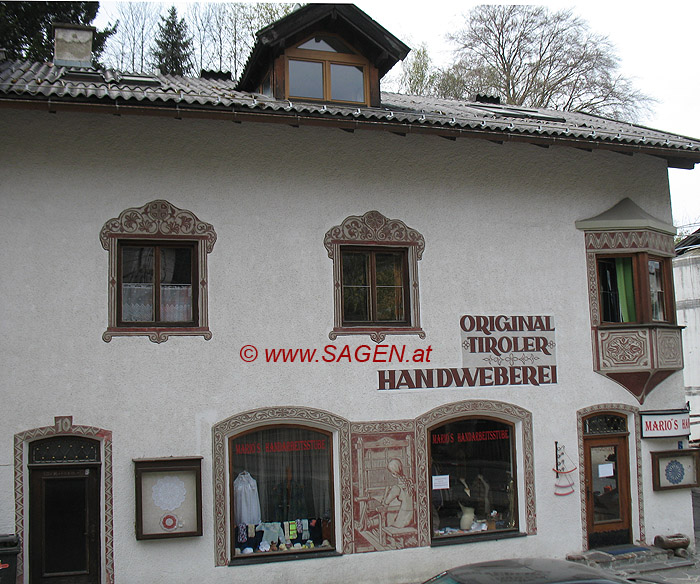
642	286
373	287
156	283
327	80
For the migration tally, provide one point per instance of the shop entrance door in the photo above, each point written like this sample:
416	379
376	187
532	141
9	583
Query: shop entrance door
64	522
607	490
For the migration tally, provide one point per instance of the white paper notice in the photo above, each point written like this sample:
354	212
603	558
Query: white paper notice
441	482
606	470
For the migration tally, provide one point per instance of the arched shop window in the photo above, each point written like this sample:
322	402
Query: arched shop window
473	472
282	491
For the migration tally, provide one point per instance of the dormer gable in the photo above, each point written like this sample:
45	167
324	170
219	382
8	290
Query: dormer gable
331	53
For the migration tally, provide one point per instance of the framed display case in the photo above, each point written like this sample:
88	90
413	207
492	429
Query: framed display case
168	497
675	469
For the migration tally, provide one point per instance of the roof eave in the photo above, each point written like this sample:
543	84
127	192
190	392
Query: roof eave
684	159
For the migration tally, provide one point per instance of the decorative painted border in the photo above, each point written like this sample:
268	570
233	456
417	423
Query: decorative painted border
444	414
630	241
373	228
267	416
616	409
63	425
389	430
157	220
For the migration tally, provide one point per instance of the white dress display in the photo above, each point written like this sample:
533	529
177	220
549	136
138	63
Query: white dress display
246	502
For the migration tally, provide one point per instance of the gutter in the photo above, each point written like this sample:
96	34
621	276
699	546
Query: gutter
683	159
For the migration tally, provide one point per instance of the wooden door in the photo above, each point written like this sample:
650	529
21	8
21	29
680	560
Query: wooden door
64	525
607	490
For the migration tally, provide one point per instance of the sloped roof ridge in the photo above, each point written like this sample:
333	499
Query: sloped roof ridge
24	81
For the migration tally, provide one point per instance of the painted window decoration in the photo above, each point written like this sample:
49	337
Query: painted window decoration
375	276
168	498
473	478
282	492
157	272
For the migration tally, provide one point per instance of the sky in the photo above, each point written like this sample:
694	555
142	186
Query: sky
656	42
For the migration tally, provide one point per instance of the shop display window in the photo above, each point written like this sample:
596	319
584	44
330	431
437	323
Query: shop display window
473	478
282	491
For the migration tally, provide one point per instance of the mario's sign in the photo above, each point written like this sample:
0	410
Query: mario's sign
665	423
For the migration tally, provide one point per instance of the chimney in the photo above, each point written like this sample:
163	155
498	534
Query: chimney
72	45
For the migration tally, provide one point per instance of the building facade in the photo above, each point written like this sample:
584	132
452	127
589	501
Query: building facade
296	328
686	275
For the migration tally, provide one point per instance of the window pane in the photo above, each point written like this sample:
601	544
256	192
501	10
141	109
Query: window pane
617	290
389	268
656	287
356	293
347	83
390	303
390	279
355	304
355	268
282	487
606	498
327	43
305	79
137	283
472	461
176	284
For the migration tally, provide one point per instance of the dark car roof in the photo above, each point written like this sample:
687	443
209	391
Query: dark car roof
526	571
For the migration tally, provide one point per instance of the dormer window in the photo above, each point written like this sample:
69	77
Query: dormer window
322	53
325	68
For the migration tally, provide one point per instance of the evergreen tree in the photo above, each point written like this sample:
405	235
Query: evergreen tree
172	54
25	27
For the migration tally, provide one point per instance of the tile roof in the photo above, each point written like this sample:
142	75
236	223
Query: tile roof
28	84
690	243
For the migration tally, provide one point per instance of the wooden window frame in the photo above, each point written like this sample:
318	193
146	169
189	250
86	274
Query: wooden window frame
372	285
293	554
515	512
375	231
175	466
158	223
692	455
158	244
642	289
326	58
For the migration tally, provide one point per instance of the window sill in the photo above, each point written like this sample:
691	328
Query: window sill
483	536
377	334
156	334
266	557
634	325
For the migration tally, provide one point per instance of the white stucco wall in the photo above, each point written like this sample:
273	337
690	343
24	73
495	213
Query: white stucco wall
686	277
498	221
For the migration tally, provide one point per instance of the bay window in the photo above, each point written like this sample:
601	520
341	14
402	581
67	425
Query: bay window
632	289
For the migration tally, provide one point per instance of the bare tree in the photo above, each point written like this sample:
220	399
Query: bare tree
129	48
199	17
418	74
533	57
223	33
